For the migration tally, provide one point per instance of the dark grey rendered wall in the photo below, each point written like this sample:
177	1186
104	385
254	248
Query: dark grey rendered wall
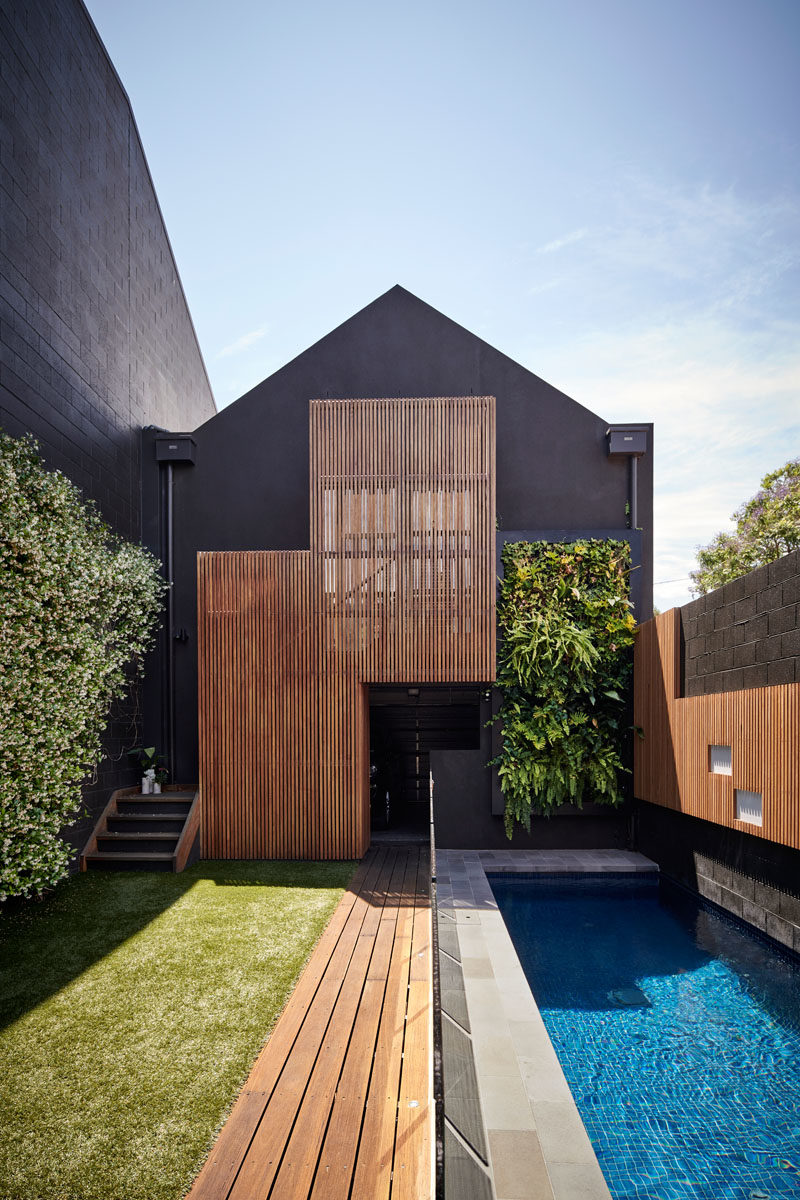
96	340
743	635
250	487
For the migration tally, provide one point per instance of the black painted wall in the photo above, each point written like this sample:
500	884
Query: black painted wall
250	487
96	340
745	634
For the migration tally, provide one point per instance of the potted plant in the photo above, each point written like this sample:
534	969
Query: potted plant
161	777
148	759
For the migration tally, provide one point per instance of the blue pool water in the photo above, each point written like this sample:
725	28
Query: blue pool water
678	1032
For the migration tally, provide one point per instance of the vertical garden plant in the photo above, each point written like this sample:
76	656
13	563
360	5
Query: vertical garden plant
564	667
78	610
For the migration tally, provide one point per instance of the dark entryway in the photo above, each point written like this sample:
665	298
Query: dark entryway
406	723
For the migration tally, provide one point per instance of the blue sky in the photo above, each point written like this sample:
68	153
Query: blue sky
607	192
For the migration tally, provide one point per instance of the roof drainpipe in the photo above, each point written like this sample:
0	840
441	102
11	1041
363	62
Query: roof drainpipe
626	441
170	565
171	449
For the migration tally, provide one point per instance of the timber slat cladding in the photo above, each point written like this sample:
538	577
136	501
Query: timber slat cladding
280	752
398	587
403	526
320	1115
671	764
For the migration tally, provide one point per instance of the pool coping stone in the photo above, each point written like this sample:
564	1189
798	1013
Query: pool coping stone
538	1146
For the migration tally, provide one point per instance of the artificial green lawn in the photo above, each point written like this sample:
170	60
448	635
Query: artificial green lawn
131	1009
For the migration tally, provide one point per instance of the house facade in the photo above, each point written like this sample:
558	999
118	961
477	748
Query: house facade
355	502
336	535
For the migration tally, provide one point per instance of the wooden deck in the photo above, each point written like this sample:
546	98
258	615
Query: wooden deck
339	1103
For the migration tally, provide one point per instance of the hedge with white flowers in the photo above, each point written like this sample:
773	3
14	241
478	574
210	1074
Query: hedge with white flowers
77	606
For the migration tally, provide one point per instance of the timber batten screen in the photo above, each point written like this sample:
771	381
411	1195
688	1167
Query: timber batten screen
402	522
398	586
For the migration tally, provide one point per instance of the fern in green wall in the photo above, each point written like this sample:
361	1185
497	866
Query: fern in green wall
564	667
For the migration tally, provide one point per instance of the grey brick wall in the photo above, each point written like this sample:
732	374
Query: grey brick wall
746	633
756	880
96	340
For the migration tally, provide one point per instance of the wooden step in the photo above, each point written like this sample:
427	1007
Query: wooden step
159	797
139	832
134	842
153	805
159	801
145	822
107	860
122	854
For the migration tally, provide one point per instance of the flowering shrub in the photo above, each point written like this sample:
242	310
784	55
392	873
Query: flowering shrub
767	527
563	669
77	606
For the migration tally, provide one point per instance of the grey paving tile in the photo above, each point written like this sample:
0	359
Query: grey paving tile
544	1079
578	1181
494	1052
518	1164
505	1102
477	967
530	1037
561	1132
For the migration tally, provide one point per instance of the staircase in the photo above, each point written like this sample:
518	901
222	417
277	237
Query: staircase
146	833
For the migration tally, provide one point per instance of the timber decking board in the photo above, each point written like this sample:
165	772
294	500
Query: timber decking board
671	763
372	1177
320	1115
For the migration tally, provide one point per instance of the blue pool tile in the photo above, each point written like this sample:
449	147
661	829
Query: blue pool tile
678	1032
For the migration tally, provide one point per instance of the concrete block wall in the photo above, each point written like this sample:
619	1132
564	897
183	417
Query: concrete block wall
770	909
745	634
96	340
751	878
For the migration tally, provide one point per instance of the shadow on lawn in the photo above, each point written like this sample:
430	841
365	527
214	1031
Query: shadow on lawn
45	944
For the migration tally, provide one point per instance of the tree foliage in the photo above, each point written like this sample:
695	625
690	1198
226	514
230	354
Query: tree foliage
563	669
77	605
767	527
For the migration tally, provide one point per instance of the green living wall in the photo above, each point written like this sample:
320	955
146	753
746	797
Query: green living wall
564	667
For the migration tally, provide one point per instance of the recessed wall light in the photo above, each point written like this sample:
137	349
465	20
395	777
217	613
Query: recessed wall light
720	760
748	807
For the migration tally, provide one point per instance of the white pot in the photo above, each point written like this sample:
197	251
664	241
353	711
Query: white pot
156	789
147	786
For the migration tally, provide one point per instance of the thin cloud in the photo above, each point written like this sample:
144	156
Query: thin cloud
548	286
724	248
724	405
684	296
243	343
560	243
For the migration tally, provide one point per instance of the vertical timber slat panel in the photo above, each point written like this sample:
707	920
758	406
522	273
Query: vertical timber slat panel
671	763
411	479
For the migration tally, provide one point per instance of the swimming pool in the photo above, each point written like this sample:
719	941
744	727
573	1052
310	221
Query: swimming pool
678	1032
